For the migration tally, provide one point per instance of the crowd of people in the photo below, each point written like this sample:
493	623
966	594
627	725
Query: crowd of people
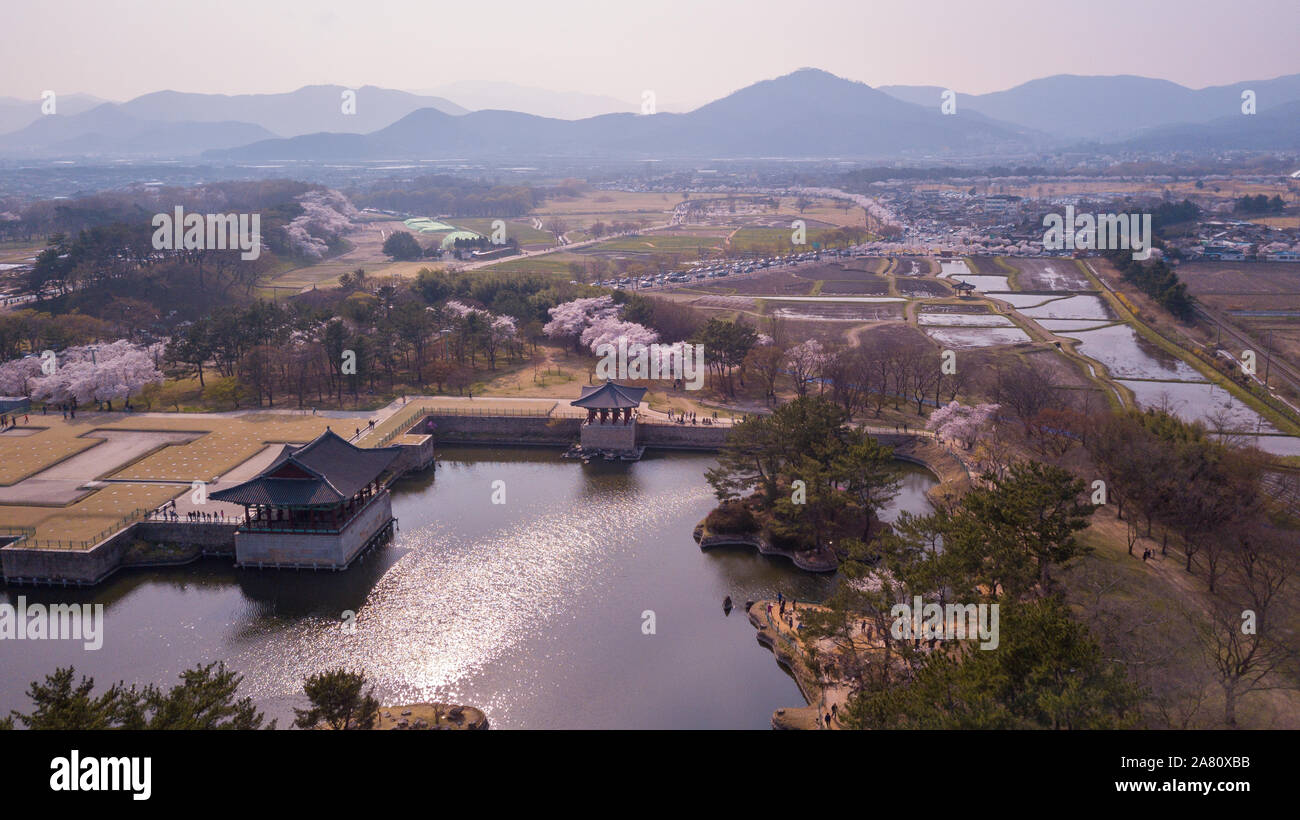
168	512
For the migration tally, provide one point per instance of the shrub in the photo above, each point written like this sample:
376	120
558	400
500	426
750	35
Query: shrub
731	517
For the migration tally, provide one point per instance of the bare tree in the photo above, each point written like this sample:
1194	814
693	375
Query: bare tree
1246	640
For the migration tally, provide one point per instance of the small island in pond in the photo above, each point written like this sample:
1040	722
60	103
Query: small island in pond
800	482
431	716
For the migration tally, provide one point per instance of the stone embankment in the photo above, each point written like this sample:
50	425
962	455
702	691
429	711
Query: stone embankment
817	560
432	716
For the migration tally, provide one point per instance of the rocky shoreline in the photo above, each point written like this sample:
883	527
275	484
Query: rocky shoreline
790	655
817	560
431	716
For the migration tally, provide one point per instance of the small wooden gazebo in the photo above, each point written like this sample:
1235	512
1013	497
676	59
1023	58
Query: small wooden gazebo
963	288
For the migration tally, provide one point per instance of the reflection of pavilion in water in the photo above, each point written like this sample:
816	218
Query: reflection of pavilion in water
317	505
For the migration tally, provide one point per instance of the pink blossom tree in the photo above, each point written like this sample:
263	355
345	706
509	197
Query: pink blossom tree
570	319
608	330
962	423
99	373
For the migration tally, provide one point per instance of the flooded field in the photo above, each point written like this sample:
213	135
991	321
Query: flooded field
1063	325
1276	445
1050	274
965	338
985	284
1207	403
1126	355
866	284
958	269
838	313
1027	300
838	299
964	320
1071	307
954	267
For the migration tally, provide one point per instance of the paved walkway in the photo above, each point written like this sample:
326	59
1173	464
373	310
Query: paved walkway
832	695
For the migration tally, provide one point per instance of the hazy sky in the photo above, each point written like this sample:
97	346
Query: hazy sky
687	51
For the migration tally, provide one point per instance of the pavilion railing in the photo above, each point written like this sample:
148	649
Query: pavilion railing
256	523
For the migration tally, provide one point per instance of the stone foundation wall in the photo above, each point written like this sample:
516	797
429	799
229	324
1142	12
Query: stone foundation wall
416	456
305	549
609	436
682	436
84	567
559	432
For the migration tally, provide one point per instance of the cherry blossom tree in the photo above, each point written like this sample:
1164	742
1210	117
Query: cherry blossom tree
99	373
962	423
17	375
570	319
608	330
326	215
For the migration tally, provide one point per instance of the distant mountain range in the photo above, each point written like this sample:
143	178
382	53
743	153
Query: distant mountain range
806	114
180	124
15	113
1274	128
109	130
561	105
1109	109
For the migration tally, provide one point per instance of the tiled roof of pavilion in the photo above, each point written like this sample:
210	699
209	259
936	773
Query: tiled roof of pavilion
325	471
609	396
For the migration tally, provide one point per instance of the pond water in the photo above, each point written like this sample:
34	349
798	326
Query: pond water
531	609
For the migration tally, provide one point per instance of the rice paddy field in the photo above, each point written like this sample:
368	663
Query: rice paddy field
957	270
1049	274
1260	298
966	338
1071	307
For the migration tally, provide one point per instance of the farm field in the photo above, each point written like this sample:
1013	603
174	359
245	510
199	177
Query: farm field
1223	188
1213	278
366	252
1048	274
605	204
